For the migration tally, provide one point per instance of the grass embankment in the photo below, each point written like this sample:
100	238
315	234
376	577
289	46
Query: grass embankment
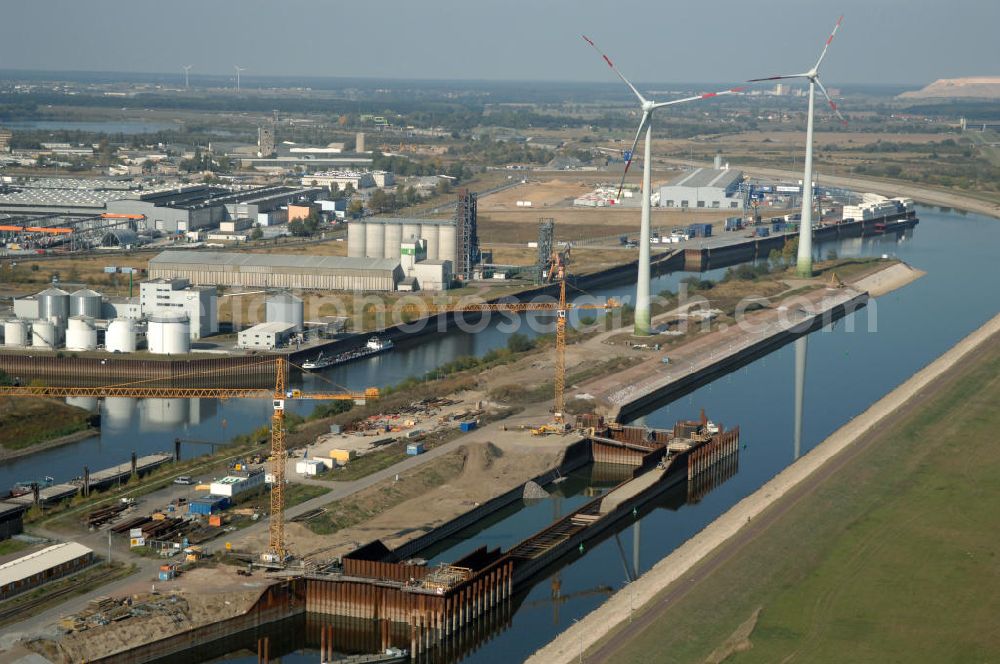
893	558
28	422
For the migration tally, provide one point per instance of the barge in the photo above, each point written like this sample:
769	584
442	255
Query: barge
374	346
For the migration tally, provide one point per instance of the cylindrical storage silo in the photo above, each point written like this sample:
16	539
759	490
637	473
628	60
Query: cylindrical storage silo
284	308
169	334
374	240
411	230
356	239
447	247
44	334
120	337
429	232
85	302
393	238
81	334
16	333
53	303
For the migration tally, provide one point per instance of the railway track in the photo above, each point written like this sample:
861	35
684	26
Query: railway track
22	609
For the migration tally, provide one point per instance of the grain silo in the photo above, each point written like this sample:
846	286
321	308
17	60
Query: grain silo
85	302
356	239
16	333
374	240
121	336
393	237
53	303
430	232
169	334
81	334
411	229
284	308
447	247
44	334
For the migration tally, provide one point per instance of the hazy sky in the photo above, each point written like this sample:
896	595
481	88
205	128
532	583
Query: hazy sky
881	41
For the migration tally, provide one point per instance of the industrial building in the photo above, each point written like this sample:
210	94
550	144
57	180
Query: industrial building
206	268
203	206
265	336
713	188
35	569
176	296
357	179
237	482
421	273
11	520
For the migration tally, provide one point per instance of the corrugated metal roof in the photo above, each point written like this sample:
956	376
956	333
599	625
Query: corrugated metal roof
273	260
273	326
39	561
708	177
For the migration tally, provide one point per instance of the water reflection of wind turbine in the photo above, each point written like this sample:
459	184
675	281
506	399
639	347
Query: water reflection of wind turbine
801	347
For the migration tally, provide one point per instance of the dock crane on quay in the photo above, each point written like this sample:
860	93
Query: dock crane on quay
276	551
555	272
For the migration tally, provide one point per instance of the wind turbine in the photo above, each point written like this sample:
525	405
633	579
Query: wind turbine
804	259
187	70
238	70
643	324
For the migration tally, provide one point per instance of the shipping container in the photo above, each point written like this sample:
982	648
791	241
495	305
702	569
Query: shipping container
413	449
215	520
467	426
335	428
208	506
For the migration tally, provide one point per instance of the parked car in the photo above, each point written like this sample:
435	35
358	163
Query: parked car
183	479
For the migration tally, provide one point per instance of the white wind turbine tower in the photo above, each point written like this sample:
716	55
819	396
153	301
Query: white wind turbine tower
804	260
238	70
643	324
187	70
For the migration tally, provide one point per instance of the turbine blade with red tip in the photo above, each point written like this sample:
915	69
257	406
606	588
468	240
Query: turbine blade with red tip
614	69
828	40
833	104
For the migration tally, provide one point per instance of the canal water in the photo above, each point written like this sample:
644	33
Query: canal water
849	365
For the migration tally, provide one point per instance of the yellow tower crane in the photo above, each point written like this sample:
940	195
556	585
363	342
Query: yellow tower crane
276	542
557	270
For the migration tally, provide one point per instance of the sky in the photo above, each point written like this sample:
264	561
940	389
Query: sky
881	41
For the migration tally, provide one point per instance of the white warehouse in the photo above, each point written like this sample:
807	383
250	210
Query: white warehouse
712	188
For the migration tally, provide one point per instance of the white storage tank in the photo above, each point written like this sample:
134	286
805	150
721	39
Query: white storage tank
81	334
16	333
374	240
53	303
169	334
447	249
44	334
284	308
393	238
356	239
85	302
120	337
430	232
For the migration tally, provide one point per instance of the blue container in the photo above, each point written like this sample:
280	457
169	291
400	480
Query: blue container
467	426
208	506
413	449
166	576
763	232
777	226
